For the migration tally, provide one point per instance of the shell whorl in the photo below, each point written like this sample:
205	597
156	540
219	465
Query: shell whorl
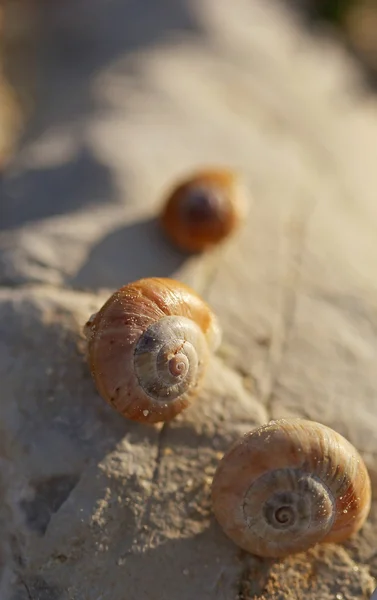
289	485
170	357
148	348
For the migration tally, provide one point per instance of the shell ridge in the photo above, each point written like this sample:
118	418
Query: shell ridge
144	374
288	485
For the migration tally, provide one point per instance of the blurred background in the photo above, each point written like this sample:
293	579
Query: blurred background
24	26
104	104
353	21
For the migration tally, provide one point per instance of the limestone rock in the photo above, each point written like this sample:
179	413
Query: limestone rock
84	491
132	96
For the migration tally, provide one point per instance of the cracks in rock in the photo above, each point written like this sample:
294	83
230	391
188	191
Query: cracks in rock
253	577
244	576
244	375
298	226
145	517
369	563
27	590
248	383
160	446
265	388
371	557
212	268
211	276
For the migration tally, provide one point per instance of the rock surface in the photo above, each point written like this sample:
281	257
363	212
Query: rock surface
132	95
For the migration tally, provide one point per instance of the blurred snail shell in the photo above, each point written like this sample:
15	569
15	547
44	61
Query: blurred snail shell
288	485
204	209
148	348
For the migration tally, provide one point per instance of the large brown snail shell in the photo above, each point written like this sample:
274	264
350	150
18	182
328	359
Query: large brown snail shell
148	348
289	485
204	209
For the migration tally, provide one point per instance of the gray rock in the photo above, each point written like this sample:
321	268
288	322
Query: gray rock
93	507
86	492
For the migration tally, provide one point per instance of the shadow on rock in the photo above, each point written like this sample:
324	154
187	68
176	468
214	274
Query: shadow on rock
81	38
203	565
126	254
49	191
78	41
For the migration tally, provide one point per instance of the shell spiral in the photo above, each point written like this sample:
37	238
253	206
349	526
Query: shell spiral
288	485
148	348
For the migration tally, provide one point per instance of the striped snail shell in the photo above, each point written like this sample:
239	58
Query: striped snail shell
148	348
288	485
204	209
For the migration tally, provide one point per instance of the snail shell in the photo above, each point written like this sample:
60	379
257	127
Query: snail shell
204	209
289	485
148	348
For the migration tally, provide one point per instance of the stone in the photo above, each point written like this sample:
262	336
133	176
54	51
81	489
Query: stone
131	97
86	490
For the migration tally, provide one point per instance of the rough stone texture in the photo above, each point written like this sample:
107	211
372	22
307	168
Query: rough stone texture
94	502
132	95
